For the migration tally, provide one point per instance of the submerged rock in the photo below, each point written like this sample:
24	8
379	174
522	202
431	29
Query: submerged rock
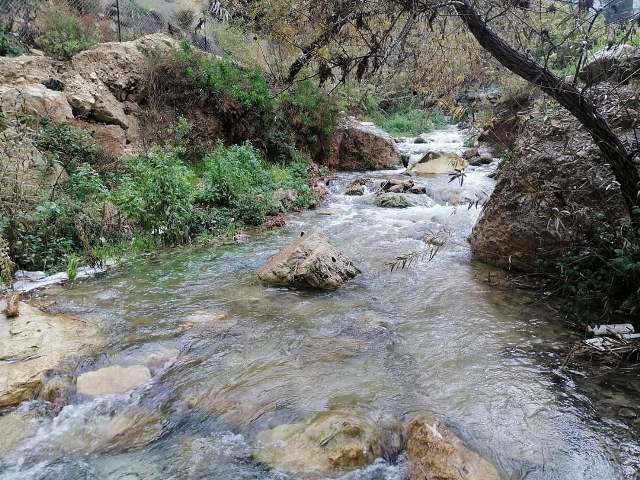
310	261
358	146
392	200
435	453
330	441
357	187
433	163
111	380
36	343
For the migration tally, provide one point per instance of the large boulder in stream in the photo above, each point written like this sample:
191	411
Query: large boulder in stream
435	163
361	146
435	453
392	200
36	343
330	442
309	261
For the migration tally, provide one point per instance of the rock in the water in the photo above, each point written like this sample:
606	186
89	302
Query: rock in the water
617	63
36	343
358	146
392	200
310	261
111	380
435	453
551	196
418	190
329	442
357	187
437	163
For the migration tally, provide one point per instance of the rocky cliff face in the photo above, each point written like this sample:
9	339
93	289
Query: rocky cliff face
99	89
553	190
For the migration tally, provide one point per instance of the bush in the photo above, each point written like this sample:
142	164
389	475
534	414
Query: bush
600	277
157	194
224	78
237	178
68	146
64	35
10	46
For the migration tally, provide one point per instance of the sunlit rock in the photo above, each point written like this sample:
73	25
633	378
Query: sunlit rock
309	261
433	163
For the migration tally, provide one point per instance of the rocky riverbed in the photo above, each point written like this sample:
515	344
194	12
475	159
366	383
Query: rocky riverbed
206	372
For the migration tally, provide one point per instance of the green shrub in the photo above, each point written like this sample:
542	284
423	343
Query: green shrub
64	35
157	194
239	179
68	146
85	184
224	78
412	122
10	46
598	277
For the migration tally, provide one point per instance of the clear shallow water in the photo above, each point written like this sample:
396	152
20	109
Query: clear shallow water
231	357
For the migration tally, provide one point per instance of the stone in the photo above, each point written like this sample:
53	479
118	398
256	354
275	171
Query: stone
418	190
112	138
469	153
618	63
358	146
433	163
355	189
419	140
112	380
34	99
16	427
27	69
329	442
309	261
533	215
91	99
435	453
36	343
392	200
122	66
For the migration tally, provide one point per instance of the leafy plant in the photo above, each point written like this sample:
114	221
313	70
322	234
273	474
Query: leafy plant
157	194
64	35
73	262
9	46
67	145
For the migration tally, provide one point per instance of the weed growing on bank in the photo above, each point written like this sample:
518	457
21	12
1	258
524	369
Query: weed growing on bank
60	212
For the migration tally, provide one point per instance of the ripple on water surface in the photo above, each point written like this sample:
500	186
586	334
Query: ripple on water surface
231	358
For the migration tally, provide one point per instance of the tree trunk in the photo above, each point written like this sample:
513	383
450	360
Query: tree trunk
566	95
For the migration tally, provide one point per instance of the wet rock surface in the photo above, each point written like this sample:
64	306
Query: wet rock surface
35	343
111	380
309	261
435	453
392	200
433	163
329	442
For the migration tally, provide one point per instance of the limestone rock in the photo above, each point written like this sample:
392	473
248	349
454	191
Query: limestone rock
16	427
435	453
358	146
619	63
90	98
112	138
433	163
533	215
112	380
122	66
28	69
331	441
34	99
392	200
309	261
36	343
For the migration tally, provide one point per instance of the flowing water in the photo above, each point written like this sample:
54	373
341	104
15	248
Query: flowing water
231	357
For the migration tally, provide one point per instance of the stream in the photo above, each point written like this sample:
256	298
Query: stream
231	357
